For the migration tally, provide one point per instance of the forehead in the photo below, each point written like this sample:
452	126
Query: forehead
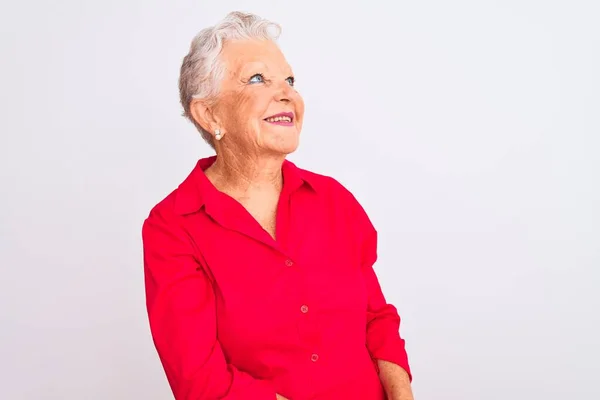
240	55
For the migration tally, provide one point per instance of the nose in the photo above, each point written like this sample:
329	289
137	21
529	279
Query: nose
285	93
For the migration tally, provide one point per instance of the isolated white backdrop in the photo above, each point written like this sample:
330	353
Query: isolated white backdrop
468	129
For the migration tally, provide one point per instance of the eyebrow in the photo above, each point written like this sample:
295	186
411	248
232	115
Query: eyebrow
252	67
259	67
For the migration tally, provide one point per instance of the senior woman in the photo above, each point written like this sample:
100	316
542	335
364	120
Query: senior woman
259	275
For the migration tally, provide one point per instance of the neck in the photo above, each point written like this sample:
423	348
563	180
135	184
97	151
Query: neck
238	173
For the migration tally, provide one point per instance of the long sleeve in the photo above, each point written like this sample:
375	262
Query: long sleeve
383	322
181	309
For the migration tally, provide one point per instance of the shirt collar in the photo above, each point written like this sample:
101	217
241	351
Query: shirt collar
196	190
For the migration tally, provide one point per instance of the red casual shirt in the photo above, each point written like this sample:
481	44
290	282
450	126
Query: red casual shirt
235	314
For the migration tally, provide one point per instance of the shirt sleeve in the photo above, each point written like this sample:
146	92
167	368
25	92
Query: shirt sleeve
383	322
181	309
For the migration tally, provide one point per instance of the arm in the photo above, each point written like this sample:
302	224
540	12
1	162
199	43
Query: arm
395	381
383	323
181	310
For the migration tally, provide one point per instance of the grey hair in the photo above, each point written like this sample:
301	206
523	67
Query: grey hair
202	70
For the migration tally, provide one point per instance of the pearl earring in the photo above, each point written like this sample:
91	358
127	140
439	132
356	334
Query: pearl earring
218	134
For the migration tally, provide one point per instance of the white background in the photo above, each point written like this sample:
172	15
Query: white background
469	130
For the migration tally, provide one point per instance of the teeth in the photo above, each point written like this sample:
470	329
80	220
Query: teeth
277	119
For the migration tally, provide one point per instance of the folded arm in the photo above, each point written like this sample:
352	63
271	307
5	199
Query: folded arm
181	310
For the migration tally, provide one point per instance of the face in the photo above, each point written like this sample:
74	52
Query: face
258	110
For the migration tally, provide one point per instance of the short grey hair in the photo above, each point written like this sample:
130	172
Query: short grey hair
202	70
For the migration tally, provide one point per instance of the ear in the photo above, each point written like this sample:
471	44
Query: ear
203	113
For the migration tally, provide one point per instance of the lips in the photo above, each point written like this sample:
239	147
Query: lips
284	118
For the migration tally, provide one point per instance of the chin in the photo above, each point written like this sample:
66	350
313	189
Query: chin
284	144
285	147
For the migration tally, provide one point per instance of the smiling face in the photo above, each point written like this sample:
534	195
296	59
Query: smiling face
257	109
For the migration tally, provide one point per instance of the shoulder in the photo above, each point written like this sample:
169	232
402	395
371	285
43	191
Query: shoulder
334	190
340	201
326	184
165	208
162	214
183	200
163	221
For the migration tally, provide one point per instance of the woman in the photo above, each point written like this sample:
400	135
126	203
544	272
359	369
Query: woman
259	275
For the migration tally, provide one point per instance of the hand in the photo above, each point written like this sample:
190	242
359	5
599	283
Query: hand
280	397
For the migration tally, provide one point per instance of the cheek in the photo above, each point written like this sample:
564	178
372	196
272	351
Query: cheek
242	108
251	108
249	111
299	110
239	117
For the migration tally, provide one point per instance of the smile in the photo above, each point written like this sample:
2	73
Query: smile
285	119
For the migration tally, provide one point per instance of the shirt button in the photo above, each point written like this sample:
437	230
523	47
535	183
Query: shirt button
314	358
304	309
289	263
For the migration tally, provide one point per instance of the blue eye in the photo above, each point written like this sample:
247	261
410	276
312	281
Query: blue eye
258	78
291	80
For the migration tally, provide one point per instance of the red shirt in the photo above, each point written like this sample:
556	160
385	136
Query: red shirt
235	314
